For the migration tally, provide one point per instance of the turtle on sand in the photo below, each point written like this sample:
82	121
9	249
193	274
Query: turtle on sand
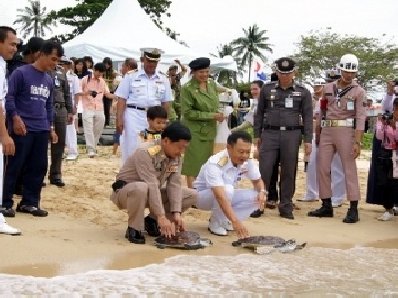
183	240
268	244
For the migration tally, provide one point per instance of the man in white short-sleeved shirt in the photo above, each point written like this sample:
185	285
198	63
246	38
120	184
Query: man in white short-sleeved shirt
217	186
8	47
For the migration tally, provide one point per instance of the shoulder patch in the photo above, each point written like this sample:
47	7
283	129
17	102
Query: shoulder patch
223	161
153	150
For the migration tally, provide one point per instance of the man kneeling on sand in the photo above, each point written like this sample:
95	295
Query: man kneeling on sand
151	177
216	186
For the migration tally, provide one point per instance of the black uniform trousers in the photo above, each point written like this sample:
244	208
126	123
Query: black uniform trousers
284	144
57	150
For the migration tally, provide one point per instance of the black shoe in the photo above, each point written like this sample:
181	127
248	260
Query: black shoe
57	182
352	216
151	226
257	213
270	204
8	212
32	210
324	211
134	236
288	215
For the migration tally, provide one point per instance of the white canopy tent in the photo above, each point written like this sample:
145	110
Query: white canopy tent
123	29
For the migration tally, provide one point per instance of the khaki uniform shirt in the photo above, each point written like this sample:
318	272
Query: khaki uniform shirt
149	164
351	105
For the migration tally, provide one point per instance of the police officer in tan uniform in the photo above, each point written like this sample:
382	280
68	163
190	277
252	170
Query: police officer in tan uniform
342	121
284	111
151	178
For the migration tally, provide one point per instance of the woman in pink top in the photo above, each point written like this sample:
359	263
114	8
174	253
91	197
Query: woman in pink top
386	162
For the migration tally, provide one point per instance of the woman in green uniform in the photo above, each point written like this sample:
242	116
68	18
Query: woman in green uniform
199	111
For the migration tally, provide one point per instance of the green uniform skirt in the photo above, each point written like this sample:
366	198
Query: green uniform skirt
196	155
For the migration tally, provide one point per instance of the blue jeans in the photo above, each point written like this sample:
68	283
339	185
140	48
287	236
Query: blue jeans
31	156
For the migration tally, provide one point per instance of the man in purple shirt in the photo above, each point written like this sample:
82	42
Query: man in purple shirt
30	115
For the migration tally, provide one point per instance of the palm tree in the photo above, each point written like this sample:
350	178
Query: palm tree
33	18
250	45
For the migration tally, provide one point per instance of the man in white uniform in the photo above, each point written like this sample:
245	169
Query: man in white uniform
8	47
75	91
137	92
217	186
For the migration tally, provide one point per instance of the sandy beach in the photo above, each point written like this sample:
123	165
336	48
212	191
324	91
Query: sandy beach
85	231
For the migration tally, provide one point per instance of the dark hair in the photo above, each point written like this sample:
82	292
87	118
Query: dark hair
176	132
156	112
33	46
100	67
88	59
259	83
130	62
173	67
274	77
235	136
4	32
48	46
108	71
84	70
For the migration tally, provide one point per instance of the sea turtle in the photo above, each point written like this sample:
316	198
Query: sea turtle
183	240
268	244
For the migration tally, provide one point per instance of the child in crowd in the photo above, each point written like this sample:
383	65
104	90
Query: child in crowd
387	160
157	120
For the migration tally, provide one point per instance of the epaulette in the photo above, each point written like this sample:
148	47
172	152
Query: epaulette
153	150
223	161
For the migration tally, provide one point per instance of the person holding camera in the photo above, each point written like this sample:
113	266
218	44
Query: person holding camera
386	165
94	89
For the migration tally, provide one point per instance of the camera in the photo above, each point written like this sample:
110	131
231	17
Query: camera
93	93
387	117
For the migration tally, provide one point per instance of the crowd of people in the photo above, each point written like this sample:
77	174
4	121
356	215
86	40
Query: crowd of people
167	130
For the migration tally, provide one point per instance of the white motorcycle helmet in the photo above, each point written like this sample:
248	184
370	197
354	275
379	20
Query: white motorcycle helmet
349	63
319	82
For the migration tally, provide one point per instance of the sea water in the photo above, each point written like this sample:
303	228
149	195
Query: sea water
313	272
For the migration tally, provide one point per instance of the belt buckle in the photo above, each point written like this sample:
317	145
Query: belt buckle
334	123
282	128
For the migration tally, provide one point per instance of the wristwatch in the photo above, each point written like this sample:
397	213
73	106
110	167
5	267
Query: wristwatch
264	191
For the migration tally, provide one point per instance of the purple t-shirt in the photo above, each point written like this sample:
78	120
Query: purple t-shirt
29	95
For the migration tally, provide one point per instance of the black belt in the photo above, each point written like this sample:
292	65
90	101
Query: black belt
282	127
135	107
119	184
59	105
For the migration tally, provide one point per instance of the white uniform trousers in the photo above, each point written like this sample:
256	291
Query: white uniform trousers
134	122
243	202
338	178
1	173
71	138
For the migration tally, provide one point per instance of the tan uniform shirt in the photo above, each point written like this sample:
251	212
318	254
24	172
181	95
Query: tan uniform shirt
149	164
351	105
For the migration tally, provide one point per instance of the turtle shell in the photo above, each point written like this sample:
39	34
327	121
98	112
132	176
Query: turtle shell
182	240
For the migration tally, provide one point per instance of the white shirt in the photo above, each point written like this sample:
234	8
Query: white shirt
3	81
219	171
142	91
74	84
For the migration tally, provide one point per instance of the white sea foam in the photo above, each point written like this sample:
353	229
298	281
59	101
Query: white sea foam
310	272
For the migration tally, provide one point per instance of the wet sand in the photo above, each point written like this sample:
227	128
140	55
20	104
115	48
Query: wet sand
85	231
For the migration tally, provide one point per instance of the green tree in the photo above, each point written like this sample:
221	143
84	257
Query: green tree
322	50
84	14
251	45
33	18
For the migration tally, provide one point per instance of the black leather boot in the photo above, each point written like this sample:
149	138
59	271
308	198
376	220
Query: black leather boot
134	236
352	216
151	226
326	209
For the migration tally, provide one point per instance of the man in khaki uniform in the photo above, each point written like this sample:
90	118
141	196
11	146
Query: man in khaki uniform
151	177
342	118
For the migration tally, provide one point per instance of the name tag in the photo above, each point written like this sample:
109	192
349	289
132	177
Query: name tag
296	93
288	102
172	169
350	105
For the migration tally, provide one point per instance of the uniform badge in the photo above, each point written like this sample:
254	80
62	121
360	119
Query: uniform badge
223	161
296	93
172	168
154	150
285	63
